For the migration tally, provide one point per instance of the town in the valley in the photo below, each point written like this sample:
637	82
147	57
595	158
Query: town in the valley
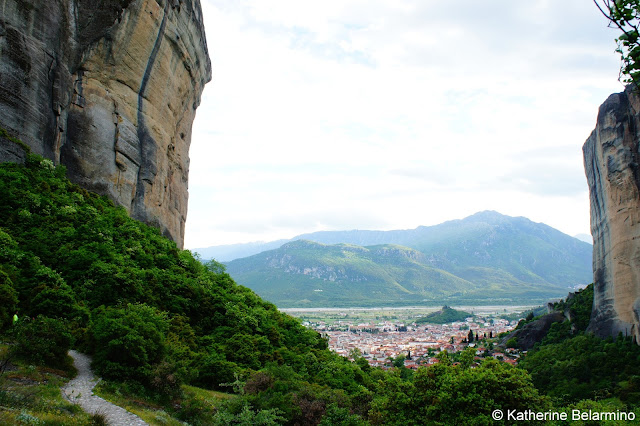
381	338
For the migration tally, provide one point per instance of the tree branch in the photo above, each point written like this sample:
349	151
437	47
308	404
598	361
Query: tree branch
607	4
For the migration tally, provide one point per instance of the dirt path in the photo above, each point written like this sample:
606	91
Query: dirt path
80	391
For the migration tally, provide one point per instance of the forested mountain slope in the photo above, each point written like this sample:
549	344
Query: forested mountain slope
306	273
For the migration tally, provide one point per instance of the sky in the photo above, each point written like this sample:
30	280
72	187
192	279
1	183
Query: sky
339	115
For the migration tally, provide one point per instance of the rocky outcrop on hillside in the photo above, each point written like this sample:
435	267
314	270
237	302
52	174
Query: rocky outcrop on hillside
109	89
611	161
533	332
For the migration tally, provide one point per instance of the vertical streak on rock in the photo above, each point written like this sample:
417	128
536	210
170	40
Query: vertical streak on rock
148	146
63	65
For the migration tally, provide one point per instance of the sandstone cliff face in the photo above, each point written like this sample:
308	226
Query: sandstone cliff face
109	88
611	161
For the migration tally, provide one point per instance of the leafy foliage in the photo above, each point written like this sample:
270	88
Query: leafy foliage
578	305
127	293
8	299
129	341
570	365
154	317
43	341
444	316
625	15
586	367
448	394
577	308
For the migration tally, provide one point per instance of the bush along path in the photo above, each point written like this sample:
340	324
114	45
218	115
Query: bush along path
80	391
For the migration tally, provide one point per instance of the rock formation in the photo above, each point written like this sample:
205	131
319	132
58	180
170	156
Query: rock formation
533	332
108	88
611	161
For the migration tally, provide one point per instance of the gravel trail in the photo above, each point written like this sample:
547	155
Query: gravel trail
80	391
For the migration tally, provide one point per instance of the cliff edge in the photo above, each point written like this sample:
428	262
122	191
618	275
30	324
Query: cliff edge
108	88
611	161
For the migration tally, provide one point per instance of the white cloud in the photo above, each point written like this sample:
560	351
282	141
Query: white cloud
353	114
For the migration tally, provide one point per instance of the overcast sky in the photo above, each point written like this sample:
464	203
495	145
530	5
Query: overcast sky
335	115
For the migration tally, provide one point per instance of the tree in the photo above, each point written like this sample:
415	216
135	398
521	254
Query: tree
398	361
625	15
129	341
8	299
446	394
43	341
467	357
215	267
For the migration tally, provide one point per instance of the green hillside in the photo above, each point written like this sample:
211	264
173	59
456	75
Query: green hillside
485	258
81	274
522	249
444	316
530	252
305	273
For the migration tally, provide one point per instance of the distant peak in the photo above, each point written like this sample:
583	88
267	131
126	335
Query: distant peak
485	214
302	243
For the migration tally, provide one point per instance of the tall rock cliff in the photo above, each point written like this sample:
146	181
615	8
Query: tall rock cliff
108	88
611	161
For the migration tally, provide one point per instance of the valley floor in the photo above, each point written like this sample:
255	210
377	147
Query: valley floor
382	333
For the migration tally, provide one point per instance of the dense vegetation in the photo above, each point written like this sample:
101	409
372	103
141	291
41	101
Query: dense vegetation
486	248
307	273
625	15
82	274
571	365
148	312
444	316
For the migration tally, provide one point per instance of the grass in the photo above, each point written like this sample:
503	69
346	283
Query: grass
31	395
154	414
147	410
206	395
98	419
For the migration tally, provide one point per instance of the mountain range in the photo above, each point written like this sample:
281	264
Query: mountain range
485	258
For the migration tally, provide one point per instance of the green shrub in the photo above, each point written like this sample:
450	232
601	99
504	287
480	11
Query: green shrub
8	299
129	342
233	413
43	341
